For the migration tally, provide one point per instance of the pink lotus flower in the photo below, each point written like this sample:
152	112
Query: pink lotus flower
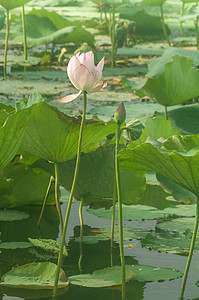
84	75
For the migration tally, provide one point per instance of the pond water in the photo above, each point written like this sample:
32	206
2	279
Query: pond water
94	257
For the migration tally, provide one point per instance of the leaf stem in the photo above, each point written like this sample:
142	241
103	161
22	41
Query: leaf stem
70	198
113	38
190	252
57	198
164	27
45	200
117	176
165	112
181	15
24	33
81	234
113	219
197	32
6	42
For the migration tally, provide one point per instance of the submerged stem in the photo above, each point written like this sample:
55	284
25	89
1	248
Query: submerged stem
57	198
190	252
70	198
164	27
81	234
117	176
24	33
45	200
6	42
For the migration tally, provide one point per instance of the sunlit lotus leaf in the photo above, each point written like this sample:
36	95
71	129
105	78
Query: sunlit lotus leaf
95	178
110	276
179	224
15	245
12	215
181	143
10	4
47	245
185	118
53	135
22	185
177	83
156	66
154	2
3	116
34	276
7	108
183	170
25	103
150	273
156	128
178	192
170	243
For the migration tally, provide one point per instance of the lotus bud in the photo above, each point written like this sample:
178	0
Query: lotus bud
120	114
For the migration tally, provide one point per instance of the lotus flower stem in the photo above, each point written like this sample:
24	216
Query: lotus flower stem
57	198
113	219
45	200
113	38
81	233
117	176
70	198
24	33
181	15
197	32
190	252
165	113
163	26
6	42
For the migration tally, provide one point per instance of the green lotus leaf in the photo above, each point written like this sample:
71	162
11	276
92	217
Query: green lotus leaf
154	2
181	169
23	185
91	240
128	232
47	245
170	243
150	273
12	215
15	245
178	192
34	276
10	4
53	135
95	178
156	66
11	134
110	276
179	224
185	118
181	143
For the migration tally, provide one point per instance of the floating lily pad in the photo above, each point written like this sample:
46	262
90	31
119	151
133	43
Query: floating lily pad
15	245
128	232
102	278
47	245
170	243
34	276
179	224
150	273
12	215
91	240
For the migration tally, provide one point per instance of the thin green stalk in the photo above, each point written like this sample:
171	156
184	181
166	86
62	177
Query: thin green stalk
165	113
57	198
70	198
113	38
113	219
117	176
181	15
197	32
81	234
24	33
45	200
190	252
6	42
164	27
